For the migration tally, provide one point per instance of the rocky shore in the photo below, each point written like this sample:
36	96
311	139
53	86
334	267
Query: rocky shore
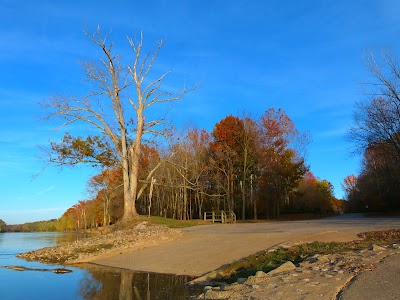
317	277
119	241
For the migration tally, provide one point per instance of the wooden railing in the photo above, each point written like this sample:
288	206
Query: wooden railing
220	216
232	216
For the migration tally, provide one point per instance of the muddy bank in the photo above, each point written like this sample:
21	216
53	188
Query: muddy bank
119	241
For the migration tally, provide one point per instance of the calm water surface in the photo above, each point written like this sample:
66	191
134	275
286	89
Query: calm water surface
88	282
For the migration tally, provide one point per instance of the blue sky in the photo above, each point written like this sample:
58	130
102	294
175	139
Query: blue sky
303	56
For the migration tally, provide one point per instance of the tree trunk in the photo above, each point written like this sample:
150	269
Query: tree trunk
151	194
252	199
125	287
244	185
129	200
133	169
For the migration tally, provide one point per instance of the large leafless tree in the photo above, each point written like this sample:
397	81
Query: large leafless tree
116	109
377	118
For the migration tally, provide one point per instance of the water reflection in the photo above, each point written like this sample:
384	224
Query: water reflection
86	282
110	283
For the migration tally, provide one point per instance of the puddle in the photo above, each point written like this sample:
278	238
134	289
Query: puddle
111	283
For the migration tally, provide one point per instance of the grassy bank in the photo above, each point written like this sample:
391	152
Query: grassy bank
153	220
171	223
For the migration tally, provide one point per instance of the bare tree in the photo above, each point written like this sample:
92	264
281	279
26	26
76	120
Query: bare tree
377	118
130	93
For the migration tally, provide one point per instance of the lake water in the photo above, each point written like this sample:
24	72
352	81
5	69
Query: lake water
86	282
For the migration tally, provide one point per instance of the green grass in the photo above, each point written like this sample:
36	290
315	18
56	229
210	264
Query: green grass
171	223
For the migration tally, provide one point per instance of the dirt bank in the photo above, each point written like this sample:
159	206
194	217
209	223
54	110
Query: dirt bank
318	277
113	243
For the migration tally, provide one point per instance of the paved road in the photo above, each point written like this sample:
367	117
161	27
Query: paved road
380	284
206	248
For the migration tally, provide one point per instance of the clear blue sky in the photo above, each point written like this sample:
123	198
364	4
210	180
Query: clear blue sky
302	56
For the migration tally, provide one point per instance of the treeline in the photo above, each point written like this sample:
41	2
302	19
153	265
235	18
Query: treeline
39	226
255	168
376	134
377	187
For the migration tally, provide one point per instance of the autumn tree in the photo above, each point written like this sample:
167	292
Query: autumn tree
377	185
116	111
226	155
199	141
316	196
149	162
106	188
192	163
379	179
2	226
350	188
281	166
325	196
69	220
349	184
183	178
305	200
242	164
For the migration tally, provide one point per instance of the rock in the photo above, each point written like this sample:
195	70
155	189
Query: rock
242	280
285	246
323	258
251	280
142	225
376	248
311	259
61	271
16	268
260	274
210	294
286	267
